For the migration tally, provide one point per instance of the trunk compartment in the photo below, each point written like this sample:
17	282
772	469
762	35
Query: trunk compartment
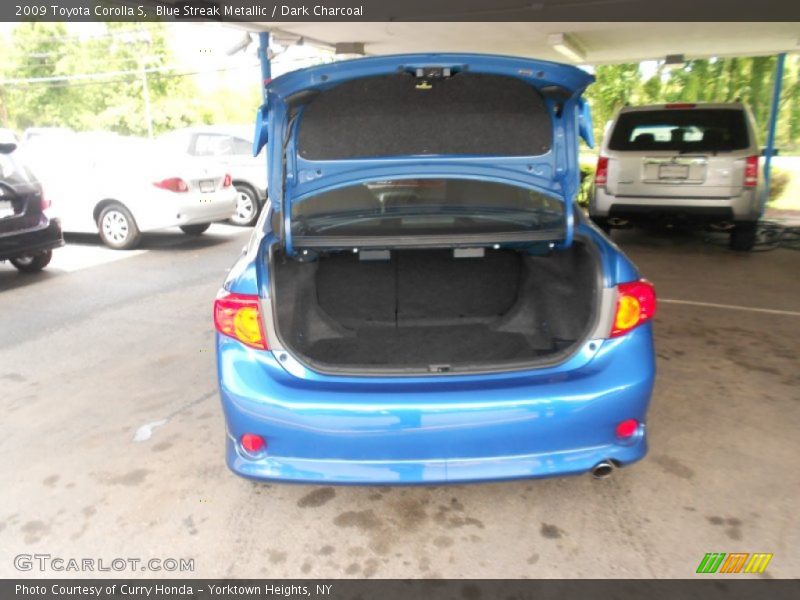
427	310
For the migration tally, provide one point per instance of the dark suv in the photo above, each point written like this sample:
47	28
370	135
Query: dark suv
27	235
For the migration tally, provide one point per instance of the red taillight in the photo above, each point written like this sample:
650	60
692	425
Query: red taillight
45	202
172	184
227	181
239	316
636	303
681	105
751	171
601	173
253	443
627	428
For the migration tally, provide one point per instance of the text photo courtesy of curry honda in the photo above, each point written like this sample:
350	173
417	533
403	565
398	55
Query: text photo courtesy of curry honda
333	300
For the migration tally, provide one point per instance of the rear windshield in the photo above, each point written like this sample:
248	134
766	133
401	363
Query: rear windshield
410	207
694	130
12	169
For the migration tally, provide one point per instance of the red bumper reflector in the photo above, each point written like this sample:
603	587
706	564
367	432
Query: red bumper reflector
627	428
252	443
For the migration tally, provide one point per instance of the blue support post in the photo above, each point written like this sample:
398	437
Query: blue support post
773	123
266	64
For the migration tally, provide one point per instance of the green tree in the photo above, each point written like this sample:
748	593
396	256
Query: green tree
705	80
104	89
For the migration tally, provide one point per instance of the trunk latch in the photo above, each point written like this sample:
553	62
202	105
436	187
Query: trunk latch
439	368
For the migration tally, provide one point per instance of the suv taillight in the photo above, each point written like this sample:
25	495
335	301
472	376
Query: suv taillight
751	171
636	304
172	184
44	202
239	316
227	181
601	173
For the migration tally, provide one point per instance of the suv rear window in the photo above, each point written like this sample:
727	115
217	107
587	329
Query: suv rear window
12	169
694	130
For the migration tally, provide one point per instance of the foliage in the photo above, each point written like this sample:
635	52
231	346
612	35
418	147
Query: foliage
116	103
43	50
704	80
585	187
778	181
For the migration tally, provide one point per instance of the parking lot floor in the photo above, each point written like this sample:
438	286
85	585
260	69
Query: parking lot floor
112	436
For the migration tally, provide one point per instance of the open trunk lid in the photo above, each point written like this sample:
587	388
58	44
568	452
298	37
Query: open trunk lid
508	121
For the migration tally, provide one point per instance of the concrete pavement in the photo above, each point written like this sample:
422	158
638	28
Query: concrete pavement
93	359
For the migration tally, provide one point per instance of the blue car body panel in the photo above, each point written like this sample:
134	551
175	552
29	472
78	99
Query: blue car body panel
456	427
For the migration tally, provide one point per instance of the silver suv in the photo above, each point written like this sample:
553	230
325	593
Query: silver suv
696	163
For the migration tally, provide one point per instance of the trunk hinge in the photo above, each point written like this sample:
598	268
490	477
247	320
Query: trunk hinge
287	175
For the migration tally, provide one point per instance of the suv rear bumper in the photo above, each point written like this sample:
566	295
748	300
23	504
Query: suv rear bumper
31	242
744	207
462	428
700	214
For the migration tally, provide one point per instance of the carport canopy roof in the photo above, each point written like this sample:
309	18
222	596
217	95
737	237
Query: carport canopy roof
597	42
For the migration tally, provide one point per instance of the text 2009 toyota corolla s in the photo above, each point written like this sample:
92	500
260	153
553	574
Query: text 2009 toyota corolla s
422	301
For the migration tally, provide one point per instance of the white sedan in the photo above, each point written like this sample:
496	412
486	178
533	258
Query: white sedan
120	187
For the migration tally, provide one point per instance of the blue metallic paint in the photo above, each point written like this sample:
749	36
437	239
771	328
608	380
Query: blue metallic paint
555	420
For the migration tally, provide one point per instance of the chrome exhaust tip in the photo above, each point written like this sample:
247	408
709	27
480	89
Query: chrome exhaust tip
602	470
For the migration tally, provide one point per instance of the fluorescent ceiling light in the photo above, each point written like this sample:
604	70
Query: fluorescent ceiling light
350	48
673	61
566	46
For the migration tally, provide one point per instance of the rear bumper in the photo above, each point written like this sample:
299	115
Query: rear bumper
699	214
744	207
431	471
436	429
173	209
32	241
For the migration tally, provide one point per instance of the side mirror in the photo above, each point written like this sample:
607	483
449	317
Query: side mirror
7	147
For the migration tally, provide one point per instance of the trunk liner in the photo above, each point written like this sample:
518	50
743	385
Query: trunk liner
425	307
423	346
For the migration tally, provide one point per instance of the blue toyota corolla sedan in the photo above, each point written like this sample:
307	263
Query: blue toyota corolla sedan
422	302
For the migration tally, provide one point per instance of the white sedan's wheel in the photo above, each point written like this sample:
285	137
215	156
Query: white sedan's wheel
118	228
246	207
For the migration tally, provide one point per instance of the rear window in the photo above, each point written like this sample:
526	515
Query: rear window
402	115
409	207
716	130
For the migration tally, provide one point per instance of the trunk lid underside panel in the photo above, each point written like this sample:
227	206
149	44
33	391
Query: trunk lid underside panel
430	115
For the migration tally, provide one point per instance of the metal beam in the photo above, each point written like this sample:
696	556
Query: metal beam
772	125
265	60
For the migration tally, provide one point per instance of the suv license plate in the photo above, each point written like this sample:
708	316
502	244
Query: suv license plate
207	185
673	172
6	209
